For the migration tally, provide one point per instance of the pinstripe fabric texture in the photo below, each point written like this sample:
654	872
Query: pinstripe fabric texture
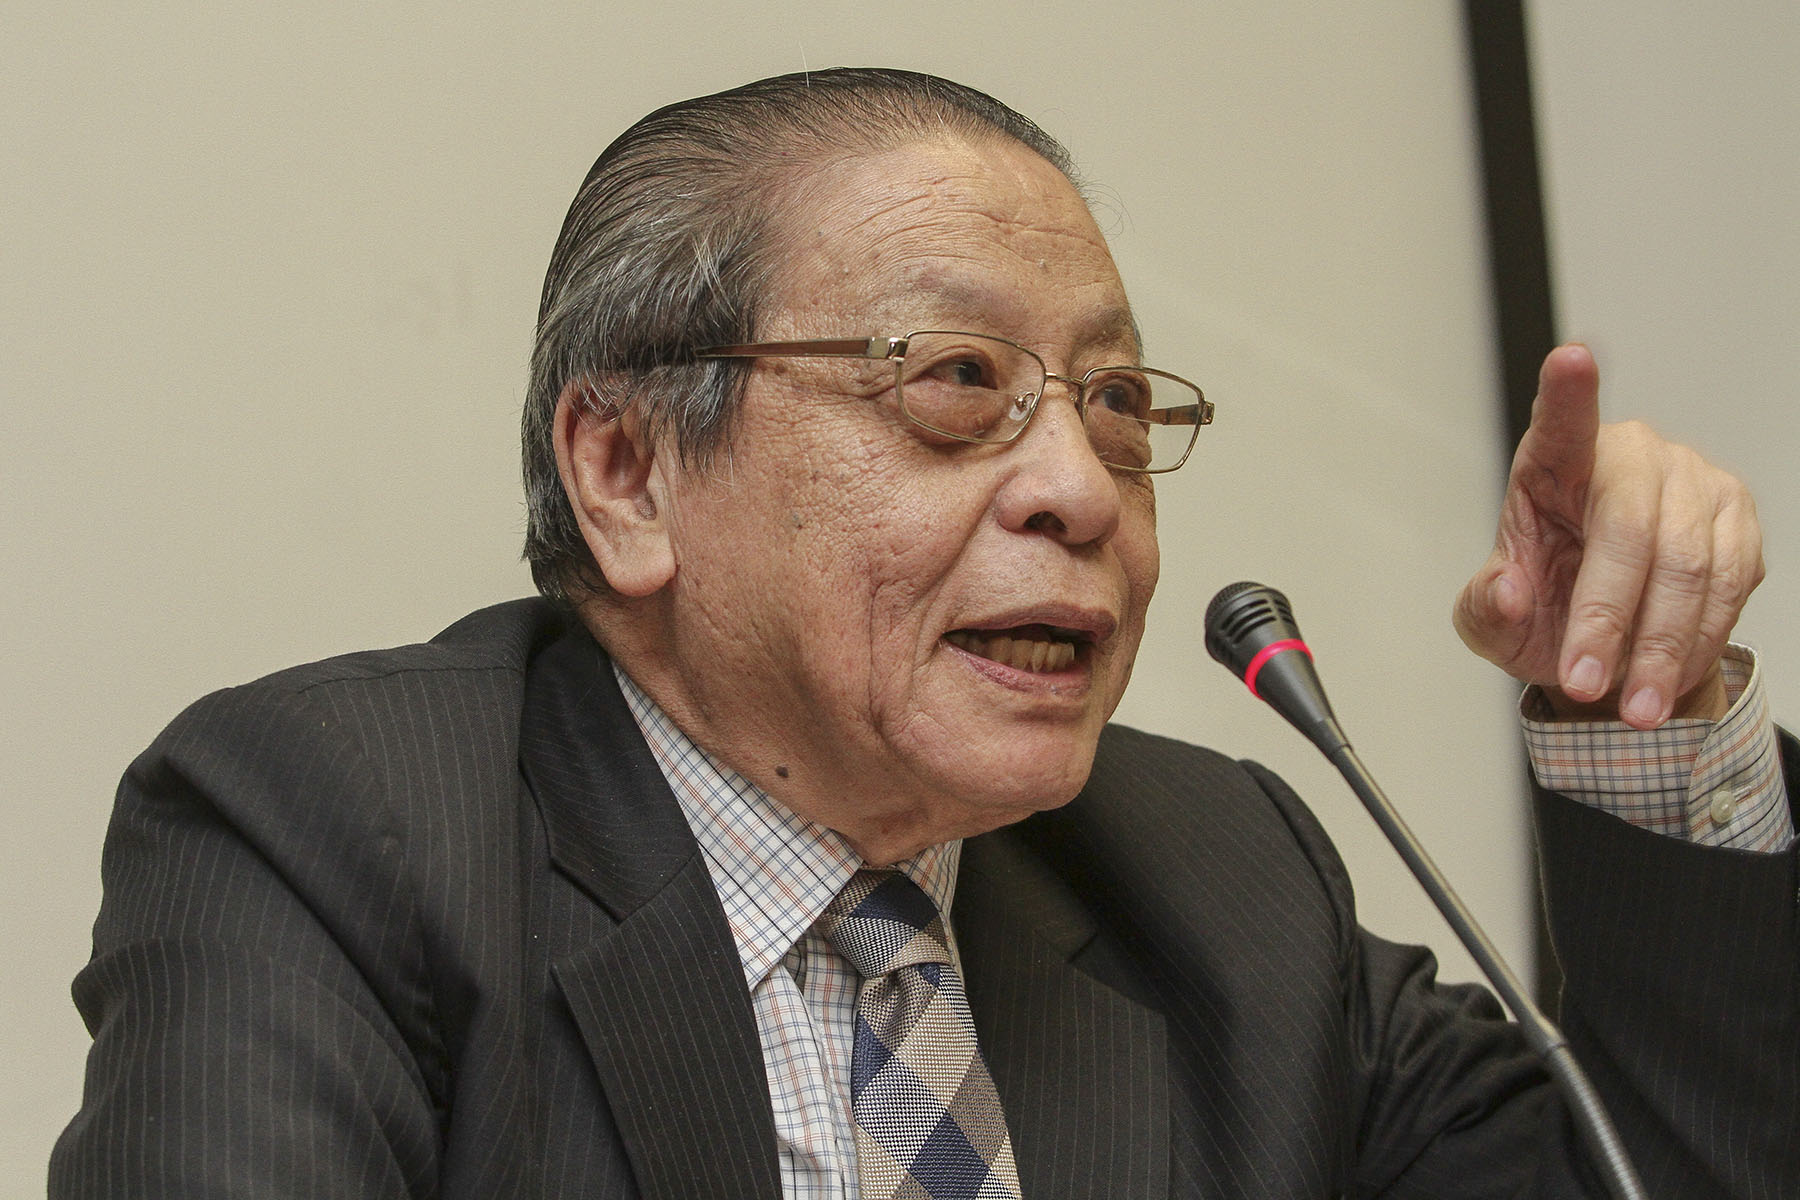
429	923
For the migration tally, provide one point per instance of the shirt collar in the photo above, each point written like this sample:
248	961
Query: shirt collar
774	871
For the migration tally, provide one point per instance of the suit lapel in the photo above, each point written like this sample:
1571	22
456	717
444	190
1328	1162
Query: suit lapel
661	1002
663	1010
1082	1070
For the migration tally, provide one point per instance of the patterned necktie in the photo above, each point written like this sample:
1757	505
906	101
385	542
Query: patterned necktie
928	1121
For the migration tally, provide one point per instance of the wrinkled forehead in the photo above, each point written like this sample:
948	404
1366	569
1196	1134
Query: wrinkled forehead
980	235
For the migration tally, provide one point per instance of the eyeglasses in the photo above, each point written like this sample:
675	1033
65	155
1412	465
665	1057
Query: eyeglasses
977	388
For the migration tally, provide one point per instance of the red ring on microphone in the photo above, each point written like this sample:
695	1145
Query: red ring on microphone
1265	654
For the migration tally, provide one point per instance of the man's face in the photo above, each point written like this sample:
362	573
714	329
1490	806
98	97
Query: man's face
903	639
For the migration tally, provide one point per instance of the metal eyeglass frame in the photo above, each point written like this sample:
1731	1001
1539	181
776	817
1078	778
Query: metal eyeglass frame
894	348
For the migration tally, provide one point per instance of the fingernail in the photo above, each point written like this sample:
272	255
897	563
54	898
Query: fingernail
1644	708
1587	676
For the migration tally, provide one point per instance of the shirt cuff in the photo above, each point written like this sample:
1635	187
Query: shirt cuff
1714	783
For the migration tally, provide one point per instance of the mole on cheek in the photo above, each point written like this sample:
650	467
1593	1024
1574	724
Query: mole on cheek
781	771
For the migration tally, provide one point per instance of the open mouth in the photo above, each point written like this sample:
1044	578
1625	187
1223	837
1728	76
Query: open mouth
1043	649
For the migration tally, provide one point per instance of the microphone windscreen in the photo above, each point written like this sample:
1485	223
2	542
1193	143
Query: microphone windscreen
1242	619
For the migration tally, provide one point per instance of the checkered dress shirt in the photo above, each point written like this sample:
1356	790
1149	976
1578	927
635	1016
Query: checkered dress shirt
775	873
1716	783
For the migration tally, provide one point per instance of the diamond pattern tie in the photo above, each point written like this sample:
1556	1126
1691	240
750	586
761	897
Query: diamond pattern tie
928	1121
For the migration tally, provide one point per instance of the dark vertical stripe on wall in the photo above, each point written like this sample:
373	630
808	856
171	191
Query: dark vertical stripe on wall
1518	257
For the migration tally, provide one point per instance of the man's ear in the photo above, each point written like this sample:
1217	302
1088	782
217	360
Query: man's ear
615	487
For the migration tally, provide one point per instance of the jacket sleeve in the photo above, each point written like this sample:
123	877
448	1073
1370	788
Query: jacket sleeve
1444	1097
1681	995
255	978
1681	1001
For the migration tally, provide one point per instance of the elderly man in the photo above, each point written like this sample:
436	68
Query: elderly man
787	851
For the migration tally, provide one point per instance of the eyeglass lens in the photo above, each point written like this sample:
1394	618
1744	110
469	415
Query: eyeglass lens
983	389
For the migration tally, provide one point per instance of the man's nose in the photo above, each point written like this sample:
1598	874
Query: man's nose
1058	486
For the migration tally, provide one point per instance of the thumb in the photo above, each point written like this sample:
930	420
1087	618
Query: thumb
1492	615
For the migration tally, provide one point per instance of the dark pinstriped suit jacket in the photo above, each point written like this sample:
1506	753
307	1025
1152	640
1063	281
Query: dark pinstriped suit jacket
427	922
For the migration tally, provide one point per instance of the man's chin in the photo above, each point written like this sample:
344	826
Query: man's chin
1037	783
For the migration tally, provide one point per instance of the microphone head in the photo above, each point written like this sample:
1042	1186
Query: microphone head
1251	629
1243	620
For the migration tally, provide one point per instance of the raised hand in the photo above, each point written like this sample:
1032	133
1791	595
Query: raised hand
1621	563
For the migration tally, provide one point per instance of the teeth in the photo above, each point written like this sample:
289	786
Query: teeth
1022	654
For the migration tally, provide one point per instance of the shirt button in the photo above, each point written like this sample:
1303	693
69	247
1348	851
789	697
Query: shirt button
1724	805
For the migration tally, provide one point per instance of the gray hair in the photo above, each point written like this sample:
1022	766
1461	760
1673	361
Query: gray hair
671	245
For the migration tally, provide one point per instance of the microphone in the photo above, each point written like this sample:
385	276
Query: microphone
1250	628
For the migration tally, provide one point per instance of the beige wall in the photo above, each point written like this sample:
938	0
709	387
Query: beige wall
1671	142
269	282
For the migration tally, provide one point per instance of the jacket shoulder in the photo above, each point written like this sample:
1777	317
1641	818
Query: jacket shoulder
1174	807
480	659
354	732
1205	785
335	774
500	637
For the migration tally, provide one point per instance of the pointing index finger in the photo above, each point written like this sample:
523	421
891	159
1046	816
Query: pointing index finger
1558	448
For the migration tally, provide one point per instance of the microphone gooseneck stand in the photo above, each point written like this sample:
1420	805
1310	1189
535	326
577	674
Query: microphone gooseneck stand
1250	628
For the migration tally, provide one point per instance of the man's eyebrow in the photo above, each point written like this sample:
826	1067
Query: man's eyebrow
1112	325
1104	325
